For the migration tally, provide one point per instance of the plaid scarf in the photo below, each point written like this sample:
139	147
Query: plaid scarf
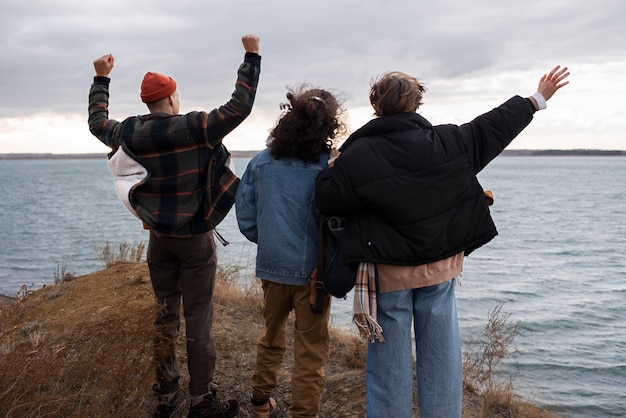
365	303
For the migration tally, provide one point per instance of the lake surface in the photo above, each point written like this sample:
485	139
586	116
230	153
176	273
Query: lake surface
558	265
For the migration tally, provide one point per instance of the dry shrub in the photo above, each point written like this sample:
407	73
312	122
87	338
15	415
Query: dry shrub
483	357
228	274
125	253
61	275
58	290
486	392
501	402
349	349
11	310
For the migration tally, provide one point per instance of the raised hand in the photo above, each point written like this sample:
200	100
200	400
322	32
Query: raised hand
104	65
250	43
549	84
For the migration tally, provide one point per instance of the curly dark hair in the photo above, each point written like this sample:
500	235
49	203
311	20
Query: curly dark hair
312	121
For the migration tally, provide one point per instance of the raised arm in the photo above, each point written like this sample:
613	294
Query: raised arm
217	123
99	123
487	135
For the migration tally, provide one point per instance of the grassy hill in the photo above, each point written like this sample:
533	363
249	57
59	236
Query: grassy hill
83	347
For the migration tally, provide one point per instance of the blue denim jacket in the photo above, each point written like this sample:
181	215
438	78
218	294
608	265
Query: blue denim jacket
276	209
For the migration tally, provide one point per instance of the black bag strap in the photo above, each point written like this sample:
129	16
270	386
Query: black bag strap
318	292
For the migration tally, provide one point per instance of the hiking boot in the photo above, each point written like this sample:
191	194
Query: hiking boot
265	408
169	405
213	408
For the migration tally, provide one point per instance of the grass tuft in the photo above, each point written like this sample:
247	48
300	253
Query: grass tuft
124	253
61	275
483	357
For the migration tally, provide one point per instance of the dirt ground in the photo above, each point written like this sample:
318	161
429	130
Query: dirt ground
124	291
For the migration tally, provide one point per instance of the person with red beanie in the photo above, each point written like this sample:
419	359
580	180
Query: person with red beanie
172	171
156	86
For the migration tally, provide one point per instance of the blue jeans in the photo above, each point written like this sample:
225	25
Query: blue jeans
438	362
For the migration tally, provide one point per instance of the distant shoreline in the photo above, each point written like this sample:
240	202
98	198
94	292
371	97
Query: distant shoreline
248	154
51	156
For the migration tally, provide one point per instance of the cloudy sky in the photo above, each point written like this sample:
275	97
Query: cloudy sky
471	55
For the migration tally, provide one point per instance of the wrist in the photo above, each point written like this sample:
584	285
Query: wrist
251	56
100	79
331	161
539	101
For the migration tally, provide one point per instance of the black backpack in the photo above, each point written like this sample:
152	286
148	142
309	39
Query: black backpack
332	275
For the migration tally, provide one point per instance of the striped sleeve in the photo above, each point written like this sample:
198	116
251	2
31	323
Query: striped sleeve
99	123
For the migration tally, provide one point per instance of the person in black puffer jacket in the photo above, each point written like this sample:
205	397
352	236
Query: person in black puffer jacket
415	209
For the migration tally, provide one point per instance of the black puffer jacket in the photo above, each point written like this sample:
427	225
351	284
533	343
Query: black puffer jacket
410	189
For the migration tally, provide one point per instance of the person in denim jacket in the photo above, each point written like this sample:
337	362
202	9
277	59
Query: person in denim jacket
275	209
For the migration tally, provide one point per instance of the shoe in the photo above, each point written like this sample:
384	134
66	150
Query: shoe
169	405
213	408
265	410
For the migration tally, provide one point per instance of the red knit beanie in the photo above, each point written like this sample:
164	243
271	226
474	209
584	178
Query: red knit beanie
156	86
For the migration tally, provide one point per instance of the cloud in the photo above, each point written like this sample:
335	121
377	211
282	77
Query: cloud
470	55
47	133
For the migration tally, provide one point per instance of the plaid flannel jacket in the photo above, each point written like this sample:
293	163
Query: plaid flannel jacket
189	188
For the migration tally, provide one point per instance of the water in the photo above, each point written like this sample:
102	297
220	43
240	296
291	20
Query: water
558	265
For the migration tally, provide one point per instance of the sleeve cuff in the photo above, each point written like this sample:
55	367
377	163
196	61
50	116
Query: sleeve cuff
541	101
251	57
101	80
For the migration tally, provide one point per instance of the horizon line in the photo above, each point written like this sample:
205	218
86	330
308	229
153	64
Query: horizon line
250	153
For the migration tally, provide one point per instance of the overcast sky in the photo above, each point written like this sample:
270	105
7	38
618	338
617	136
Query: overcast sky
472	56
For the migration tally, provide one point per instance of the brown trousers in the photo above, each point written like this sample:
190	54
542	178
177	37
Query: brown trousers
311	347
184	269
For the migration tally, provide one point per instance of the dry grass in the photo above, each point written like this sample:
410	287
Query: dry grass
483	357
488	393
124	253
87	351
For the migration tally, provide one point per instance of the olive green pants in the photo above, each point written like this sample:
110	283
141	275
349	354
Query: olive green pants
310	347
